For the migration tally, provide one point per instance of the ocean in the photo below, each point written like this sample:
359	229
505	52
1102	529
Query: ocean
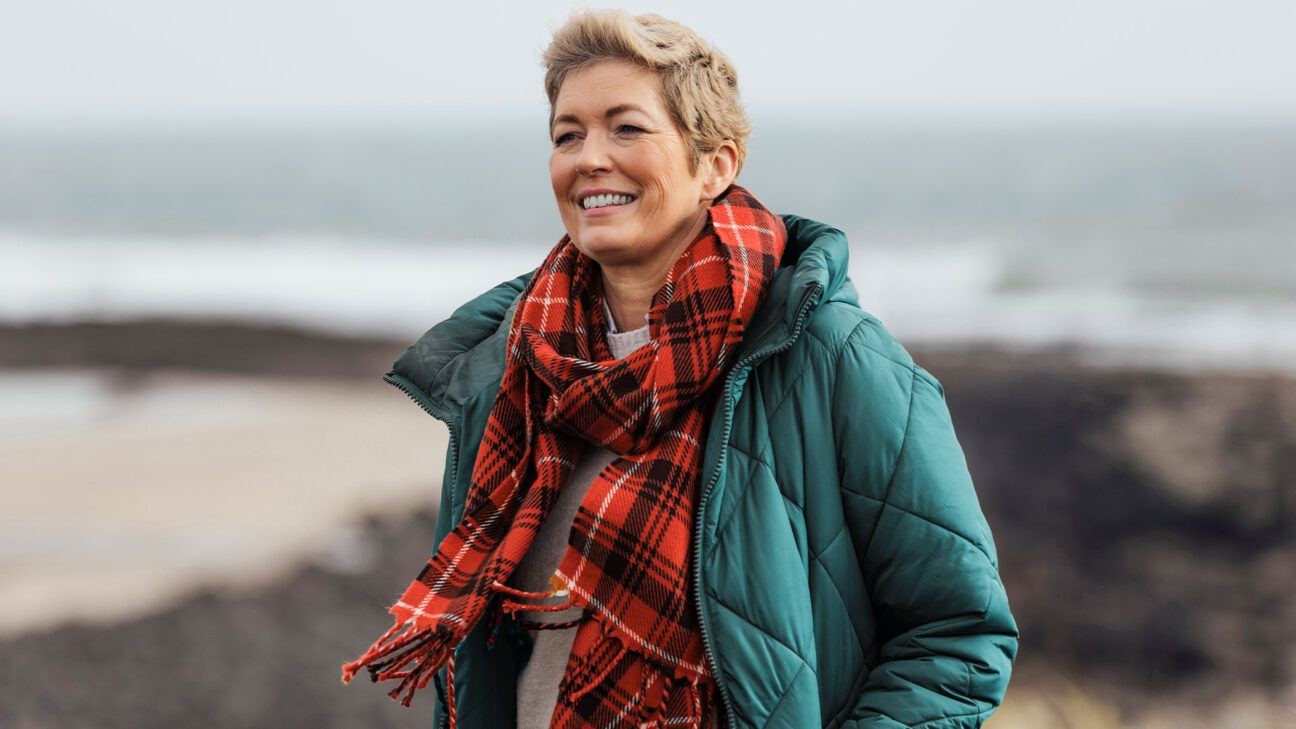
1170	243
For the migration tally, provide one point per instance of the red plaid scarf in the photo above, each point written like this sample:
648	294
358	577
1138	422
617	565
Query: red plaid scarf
638	655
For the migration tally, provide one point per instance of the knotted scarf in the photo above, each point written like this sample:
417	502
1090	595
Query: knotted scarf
638	657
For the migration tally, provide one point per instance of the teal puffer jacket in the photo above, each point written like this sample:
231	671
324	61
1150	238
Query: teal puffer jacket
846	576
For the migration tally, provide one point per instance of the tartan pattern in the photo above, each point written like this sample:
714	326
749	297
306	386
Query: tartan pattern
639	657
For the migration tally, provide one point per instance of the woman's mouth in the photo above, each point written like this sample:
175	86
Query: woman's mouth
599	205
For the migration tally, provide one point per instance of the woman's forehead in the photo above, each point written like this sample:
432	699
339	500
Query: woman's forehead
608	88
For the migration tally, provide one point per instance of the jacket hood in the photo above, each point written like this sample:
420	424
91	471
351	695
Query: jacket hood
464	355
813	271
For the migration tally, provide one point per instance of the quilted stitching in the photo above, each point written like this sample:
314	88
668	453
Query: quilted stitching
890	481
907	512
840	598
763	457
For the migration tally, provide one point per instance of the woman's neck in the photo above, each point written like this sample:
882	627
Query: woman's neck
630	298
629	288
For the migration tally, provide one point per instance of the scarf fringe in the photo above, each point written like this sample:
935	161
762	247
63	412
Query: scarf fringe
606	656
692	697
661	695
412	657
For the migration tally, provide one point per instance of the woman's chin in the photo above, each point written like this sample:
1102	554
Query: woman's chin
607	250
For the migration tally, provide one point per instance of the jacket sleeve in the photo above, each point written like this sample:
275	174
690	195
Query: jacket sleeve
947	639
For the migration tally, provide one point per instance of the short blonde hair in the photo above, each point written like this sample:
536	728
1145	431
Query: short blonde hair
699	84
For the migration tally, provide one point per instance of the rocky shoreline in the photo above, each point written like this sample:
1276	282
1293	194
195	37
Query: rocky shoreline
1146	525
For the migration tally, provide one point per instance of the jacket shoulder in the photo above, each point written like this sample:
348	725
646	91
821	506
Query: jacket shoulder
841	326
881	397
449	359
860	386
860	339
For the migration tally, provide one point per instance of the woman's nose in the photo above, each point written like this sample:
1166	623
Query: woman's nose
593	155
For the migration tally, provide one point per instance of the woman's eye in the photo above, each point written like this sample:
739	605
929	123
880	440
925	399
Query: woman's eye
564	138
629	129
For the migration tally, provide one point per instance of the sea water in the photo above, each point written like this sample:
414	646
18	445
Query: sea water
1163	242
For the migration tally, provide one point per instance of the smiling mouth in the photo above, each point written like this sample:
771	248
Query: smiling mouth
595	202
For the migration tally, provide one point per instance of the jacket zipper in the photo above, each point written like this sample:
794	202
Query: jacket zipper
422	401
802	310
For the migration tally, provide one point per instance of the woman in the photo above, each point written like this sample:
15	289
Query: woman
690	482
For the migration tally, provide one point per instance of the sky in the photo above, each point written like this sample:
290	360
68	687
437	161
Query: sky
89	61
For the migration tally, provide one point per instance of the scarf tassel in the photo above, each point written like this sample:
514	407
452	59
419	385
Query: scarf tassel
691	701
665	696
604	666
411	657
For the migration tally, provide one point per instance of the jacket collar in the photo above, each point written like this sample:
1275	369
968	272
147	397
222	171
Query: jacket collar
463	356
813	270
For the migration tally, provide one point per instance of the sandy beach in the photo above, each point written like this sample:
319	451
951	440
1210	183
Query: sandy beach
147	487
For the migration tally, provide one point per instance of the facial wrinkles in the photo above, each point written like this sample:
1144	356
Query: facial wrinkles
667	148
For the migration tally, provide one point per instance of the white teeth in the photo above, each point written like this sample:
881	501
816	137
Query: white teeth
599	201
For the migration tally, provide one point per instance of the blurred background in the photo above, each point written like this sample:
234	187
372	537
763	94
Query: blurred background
221	222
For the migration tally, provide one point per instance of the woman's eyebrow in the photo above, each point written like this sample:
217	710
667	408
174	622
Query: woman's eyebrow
611	112
621	109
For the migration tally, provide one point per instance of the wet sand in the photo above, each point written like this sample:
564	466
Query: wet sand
138	490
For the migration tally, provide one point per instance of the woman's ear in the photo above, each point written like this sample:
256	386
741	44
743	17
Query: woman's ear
720	167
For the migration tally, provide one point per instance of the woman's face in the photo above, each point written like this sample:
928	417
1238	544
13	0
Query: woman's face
613	136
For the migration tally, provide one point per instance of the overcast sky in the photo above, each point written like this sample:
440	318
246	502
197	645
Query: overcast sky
90	60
